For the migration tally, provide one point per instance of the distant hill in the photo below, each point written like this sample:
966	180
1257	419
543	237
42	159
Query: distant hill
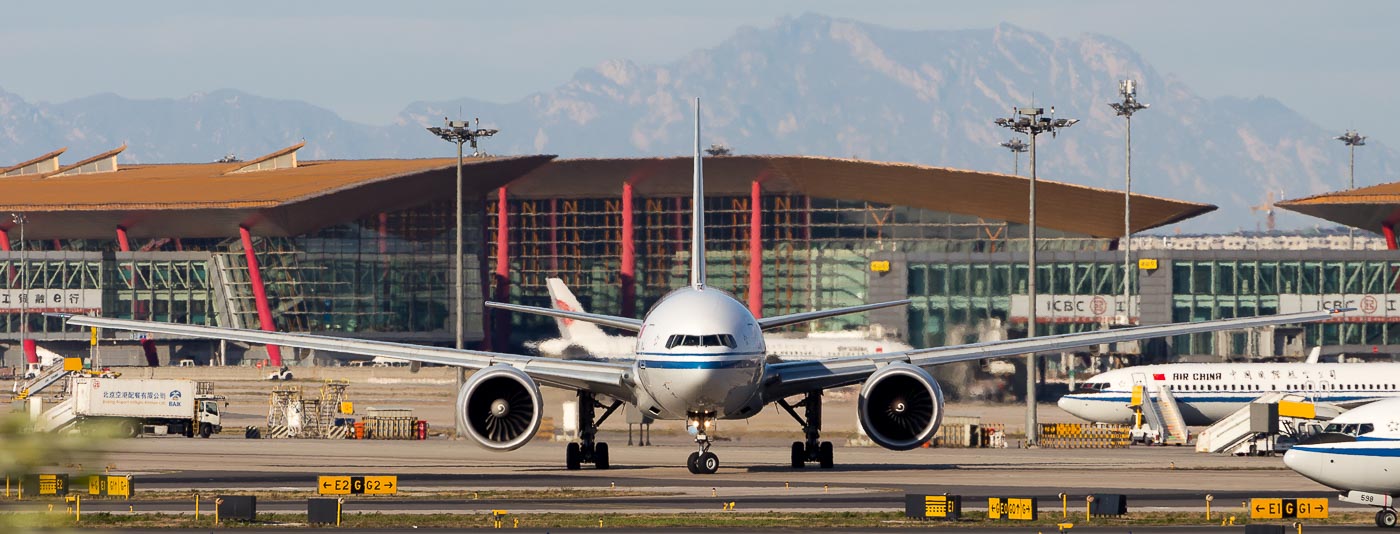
807	85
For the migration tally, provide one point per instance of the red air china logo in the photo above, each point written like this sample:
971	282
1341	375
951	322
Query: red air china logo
564	306
1159	376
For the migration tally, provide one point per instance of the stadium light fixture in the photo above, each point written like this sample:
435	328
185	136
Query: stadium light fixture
1351	139
1032	121
1128	90
1016	146
460	132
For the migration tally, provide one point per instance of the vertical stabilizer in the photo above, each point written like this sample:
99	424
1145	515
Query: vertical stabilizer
697	221
563	299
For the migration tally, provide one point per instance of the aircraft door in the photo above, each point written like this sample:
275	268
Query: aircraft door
1139	379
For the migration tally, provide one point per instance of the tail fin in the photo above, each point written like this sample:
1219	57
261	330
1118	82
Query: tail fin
697	221
563	299
1315	355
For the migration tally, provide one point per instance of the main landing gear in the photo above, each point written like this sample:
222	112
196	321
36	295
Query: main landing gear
587	451
702	462
813	449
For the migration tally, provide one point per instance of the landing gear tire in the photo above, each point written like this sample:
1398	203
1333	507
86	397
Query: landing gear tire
600	456
573	457
707	464
799	455
1386	518
826	455
692	463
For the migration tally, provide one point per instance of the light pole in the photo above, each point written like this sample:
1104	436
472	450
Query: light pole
460	132
20	219
1032	122
1128	90
1016	146
1352	139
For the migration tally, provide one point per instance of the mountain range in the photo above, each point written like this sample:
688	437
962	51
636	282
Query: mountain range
808	85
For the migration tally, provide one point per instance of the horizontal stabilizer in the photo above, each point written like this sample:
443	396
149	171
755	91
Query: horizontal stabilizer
625	323
769	323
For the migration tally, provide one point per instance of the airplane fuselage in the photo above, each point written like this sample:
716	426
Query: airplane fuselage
700	351
1208	392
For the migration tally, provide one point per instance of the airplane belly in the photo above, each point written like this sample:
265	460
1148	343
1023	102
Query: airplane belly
725	392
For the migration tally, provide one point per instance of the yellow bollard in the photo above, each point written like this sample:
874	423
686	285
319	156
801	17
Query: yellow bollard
714	492
614	485
1064	504
786	485
1298	525
77	508
600	522
1209	498
196	506
217	502
131	509
338	504
826	488
516	524
1088	502
7	487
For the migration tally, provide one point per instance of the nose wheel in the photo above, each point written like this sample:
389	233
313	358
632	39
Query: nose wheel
702	462
1386	518
813	450
588	450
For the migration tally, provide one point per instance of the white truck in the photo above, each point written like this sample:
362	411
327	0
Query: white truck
138	406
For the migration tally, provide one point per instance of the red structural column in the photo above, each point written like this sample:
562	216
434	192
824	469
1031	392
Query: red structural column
629	254
138	307
122	241
274	352
31	348
756	250
1386	228
500	322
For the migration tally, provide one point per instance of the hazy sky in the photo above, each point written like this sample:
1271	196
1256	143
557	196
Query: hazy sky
1332	61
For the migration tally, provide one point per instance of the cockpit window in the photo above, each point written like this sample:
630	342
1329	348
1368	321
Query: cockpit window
1364	429
1093	386
714	340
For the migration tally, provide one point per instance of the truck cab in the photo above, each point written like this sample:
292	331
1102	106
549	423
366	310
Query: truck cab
207	418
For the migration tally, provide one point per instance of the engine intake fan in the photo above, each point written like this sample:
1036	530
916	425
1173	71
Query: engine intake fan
501	406
901	406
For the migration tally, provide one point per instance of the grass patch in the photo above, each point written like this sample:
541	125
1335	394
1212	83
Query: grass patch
714	519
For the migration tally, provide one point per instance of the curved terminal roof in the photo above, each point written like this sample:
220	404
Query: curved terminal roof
209	200
1066	207
1368	208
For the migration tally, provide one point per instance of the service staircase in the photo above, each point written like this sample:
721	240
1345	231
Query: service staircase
1175	424
1236	430
50	376
1161	412
60	417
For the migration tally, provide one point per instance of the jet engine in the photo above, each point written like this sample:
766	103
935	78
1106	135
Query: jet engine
501	407
900	406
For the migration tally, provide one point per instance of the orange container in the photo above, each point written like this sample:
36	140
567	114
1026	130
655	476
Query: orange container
359	430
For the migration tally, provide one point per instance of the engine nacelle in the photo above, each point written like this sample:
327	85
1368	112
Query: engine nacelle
901	406
501	406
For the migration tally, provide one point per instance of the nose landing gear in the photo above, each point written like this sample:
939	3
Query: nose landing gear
813	449
702	462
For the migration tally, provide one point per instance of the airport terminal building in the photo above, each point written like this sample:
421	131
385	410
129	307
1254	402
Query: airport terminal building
364	248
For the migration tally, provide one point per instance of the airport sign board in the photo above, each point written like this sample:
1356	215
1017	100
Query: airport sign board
347	485
37	485
1072	308
1365	308
110	485
1288	508
1014	508
920	506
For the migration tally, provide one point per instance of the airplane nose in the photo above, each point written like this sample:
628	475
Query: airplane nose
1070	404
1301	461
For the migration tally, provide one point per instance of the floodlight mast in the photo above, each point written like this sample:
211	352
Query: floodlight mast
1032	122
1128	90
1352	139
1016	146
460	132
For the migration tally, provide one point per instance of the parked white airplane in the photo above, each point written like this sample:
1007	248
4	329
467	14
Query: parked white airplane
700	357
1208	392
585	340
1358	453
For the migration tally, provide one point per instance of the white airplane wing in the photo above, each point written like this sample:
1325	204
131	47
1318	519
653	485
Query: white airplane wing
604	378
791	378
769	323
624	323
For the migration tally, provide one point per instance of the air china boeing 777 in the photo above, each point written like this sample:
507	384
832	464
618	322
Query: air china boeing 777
700	356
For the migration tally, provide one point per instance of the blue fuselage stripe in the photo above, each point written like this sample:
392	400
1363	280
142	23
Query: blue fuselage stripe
697	364
1384	453
1240	397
